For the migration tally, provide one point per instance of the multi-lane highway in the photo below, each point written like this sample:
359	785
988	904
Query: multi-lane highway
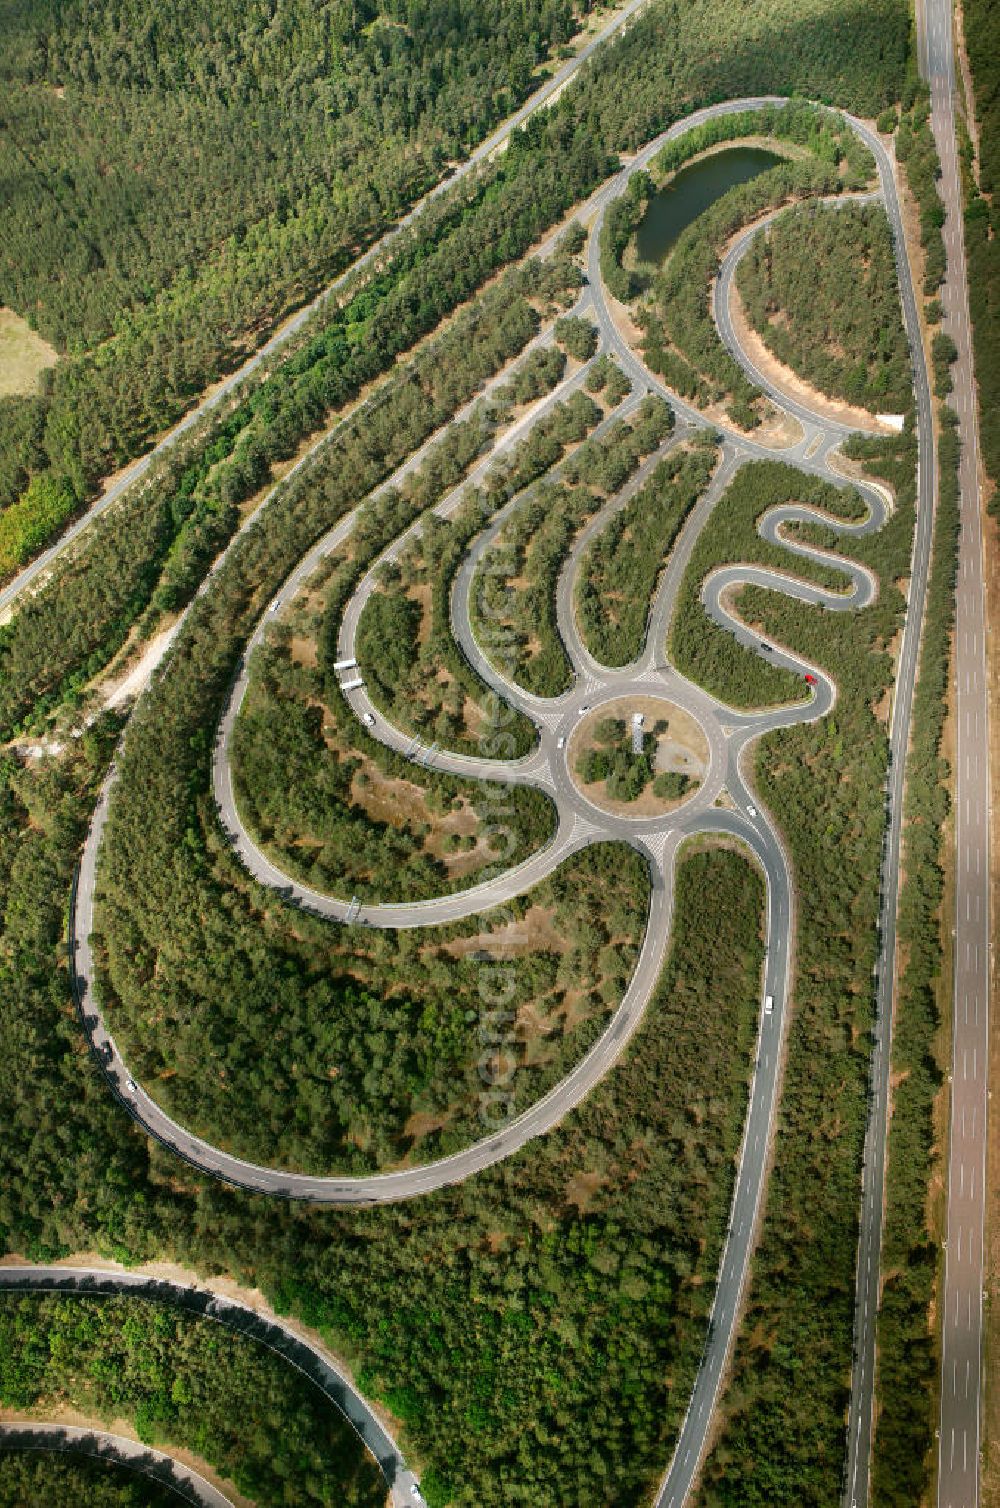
313	1362
36	570
729	735
961	1307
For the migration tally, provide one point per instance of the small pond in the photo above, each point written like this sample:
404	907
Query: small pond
691	191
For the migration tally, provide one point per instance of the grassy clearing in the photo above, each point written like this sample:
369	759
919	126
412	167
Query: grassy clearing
24	356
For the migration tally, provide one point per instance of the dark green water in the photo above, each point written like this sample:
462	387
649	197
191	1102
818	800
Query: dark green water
691	192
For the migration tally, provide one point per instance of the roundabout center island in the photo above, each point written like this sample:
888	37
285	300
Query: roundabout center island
638	756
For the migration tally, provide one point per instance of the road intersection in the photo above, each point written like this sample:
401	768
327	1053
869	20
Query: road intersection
730	735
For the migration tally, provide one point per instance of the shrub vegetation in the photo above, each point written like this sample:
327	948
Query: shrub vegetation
824	783
75	1481
617	576
190	1383
819	285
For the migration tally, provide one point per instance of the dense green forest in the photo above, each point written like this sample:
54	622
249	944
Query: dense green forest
152	557
617	574
442	258
254	249
819	286
338	810
186	1382
304	1045
176	182
785	1405
502	1319
982	227
29	1477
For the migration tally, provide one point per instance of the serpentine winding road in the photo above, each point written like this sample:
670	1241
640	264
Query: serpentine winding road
730	734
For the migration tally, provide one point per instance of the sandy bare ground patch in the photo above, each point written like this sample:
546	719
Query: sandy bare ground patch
779	431
119	689
536	930
24	356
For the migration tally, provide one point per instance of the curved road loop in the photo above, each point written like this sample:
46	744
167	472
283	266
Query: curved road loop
730	735
293	1349
117	1450
962	1296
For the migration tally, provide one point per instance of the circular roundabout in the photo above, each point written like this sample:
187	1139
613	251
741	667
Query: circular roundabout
638	756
